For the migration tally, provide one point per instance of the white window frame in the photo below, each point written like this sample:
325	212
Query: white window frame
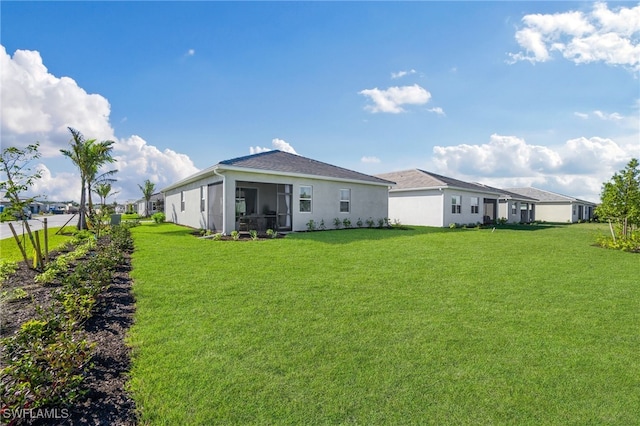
308	198
345	201
456	204
202	199
182	202
475	205
514	208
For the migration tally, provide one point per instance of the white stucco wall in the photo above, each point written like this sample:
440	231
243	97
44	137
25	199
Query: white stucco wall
432	207
554	212
419	208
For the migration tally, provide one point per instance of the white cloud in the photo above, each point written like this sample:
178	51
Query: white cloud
604	116
190	52
276	143
38	106
437	110
392	99
604	35
578	167
373	160
400	74
581	115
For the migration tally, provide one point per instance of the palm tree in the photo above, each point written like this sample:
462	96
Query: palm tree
88	156
103	190
147	192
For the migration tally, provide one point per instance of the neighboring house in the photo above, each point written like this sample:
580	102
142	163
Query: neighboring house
514	208
274	190
552	207
156	204
428	199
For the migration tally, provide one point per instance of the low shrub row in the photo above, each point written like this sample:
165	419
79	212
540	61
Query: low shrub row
46	359
346	223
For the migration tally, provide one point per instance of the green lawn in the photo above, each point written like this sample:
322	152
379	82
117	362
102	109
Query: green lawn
9	247
426	326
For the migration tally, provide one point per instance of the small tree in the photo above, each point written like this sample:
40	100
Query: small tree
14	165
147	191
621	201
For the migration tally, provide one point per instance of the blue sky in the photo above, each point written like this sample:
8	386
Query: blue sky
505	93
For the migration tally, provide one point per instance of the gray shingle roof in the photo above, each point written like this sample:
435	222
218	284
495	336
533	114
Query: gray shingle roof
416	178
508	194
280	161
546	196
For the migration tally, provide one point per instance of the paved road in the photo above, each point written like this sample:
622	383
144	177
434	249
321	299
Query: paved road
37	222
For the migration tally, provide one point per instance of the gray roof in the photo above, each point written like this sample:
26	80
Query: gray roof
418	179
283	162
543	196
508	194
280	161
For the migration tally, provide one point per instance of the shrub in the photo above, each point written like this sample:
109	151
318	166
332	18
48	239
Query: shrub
346	222
7	267
271	233
322	226
158	217
359	223
370	222
254	234
381	223
45	362
311	225
337	223
235	235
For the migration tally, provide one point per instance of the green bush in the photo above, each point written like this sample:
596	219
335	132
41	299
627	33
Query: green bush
158	217
7	267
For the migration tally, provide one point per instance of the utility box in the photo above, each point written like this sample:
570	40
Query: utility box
115	219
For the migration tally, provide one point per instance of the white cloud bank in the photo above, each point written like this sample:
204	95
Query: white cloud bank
603	35
577	168
370	160
38	106
401	74
276	143
392	99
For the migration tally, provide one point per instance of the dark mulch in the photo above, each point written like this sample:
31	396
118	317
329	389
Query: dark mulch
106	401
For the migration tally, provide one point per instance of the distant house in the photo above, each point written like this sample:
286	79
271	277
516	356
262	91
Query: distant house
156	204
274	190
428	199
552	207
514	208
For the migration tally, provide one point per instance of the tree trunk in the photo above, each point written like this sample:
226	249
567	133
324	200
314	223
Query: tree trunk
82	220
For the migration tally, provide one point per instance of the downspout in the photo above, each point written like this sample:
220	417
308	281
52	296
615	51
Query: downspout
224	201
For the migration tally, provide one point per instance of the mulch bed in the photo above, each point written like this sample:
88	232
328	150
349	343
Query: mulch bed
106	401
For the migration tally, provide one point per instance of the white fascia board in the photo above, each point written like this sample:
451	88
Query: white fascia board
443	187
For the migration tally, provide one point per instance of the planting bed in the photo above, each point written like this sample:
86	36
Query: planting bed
106	401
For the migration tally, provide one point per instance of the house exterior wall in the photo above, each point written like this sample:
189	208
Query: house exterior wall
554	212
465	216
433	207
191	215
366	200
418	208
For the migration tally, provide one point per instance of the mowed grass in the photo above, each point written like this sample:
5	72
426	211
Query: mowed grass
424	326
9	247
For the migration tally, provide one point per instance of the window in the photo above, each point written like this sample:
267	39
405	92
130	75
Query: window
182	201
456	204
305	199
514	209
345	200
475	205
202	198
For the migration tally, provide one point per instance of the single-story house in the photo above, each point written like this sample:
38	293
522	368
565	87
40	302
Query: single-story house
428	199
552	207
156	204
274	190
